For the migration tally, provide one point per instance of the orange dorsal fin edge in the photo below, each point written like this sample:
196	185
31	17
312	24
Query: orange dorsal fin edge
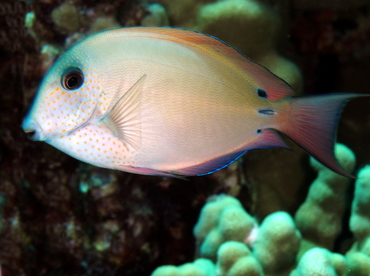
276	88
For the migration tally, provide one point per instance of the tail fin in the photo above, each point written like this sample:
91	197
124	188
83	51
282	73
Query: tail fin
313	126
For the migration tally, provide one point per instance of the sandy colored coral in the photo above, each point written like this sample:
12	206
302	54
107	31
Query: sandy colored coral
360	218
157	16
236	259
200	267
277	243
222	219
319	261
66	17
320	217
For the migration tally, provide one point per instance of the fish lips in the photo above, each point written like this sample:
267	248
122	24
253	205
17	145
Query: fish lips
33	130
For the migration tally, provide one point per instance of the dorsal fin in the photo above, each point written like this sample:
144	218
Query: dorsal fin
259	75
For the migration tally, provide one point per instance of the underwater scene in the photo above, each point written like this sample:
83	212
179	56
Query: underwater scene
185	137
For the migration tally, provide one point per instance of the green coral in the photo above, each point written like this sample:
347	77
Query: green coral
222	219
319	261
359	255
320	217
66	17
200	267
236	259
277	243
239	246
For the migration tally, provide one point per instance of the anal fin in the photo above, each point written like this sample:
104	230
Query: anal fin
267	138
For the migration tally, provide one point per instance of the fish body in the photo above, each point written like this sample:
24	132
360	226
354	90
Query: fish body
167	101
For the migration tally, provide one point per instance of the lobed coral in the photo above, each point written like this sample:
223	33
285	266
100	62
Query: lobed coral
319	218
280	245
222	219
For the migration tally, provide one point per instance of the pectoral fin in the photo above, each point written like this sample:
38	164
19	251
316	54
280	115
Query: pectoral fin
125	117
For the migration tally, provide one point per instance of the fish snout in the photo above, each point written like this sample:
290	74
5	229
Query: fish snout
33	130
31	135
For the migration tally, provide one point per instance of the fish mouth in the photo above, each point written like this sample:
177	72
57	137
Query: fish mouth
33	130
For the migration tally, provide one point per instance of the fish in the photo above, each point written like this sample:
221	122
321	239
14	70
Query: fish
174	102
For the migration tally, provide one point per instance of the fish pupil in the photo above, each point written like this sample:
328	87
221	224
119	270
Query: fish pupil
261	93
72	78
72	81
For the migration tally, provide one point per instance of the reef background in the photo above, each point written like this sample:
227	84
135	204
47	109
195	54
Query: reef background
59	216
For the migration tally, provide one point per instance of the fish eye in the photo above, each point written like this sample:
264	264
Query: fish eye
72	78
261	92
